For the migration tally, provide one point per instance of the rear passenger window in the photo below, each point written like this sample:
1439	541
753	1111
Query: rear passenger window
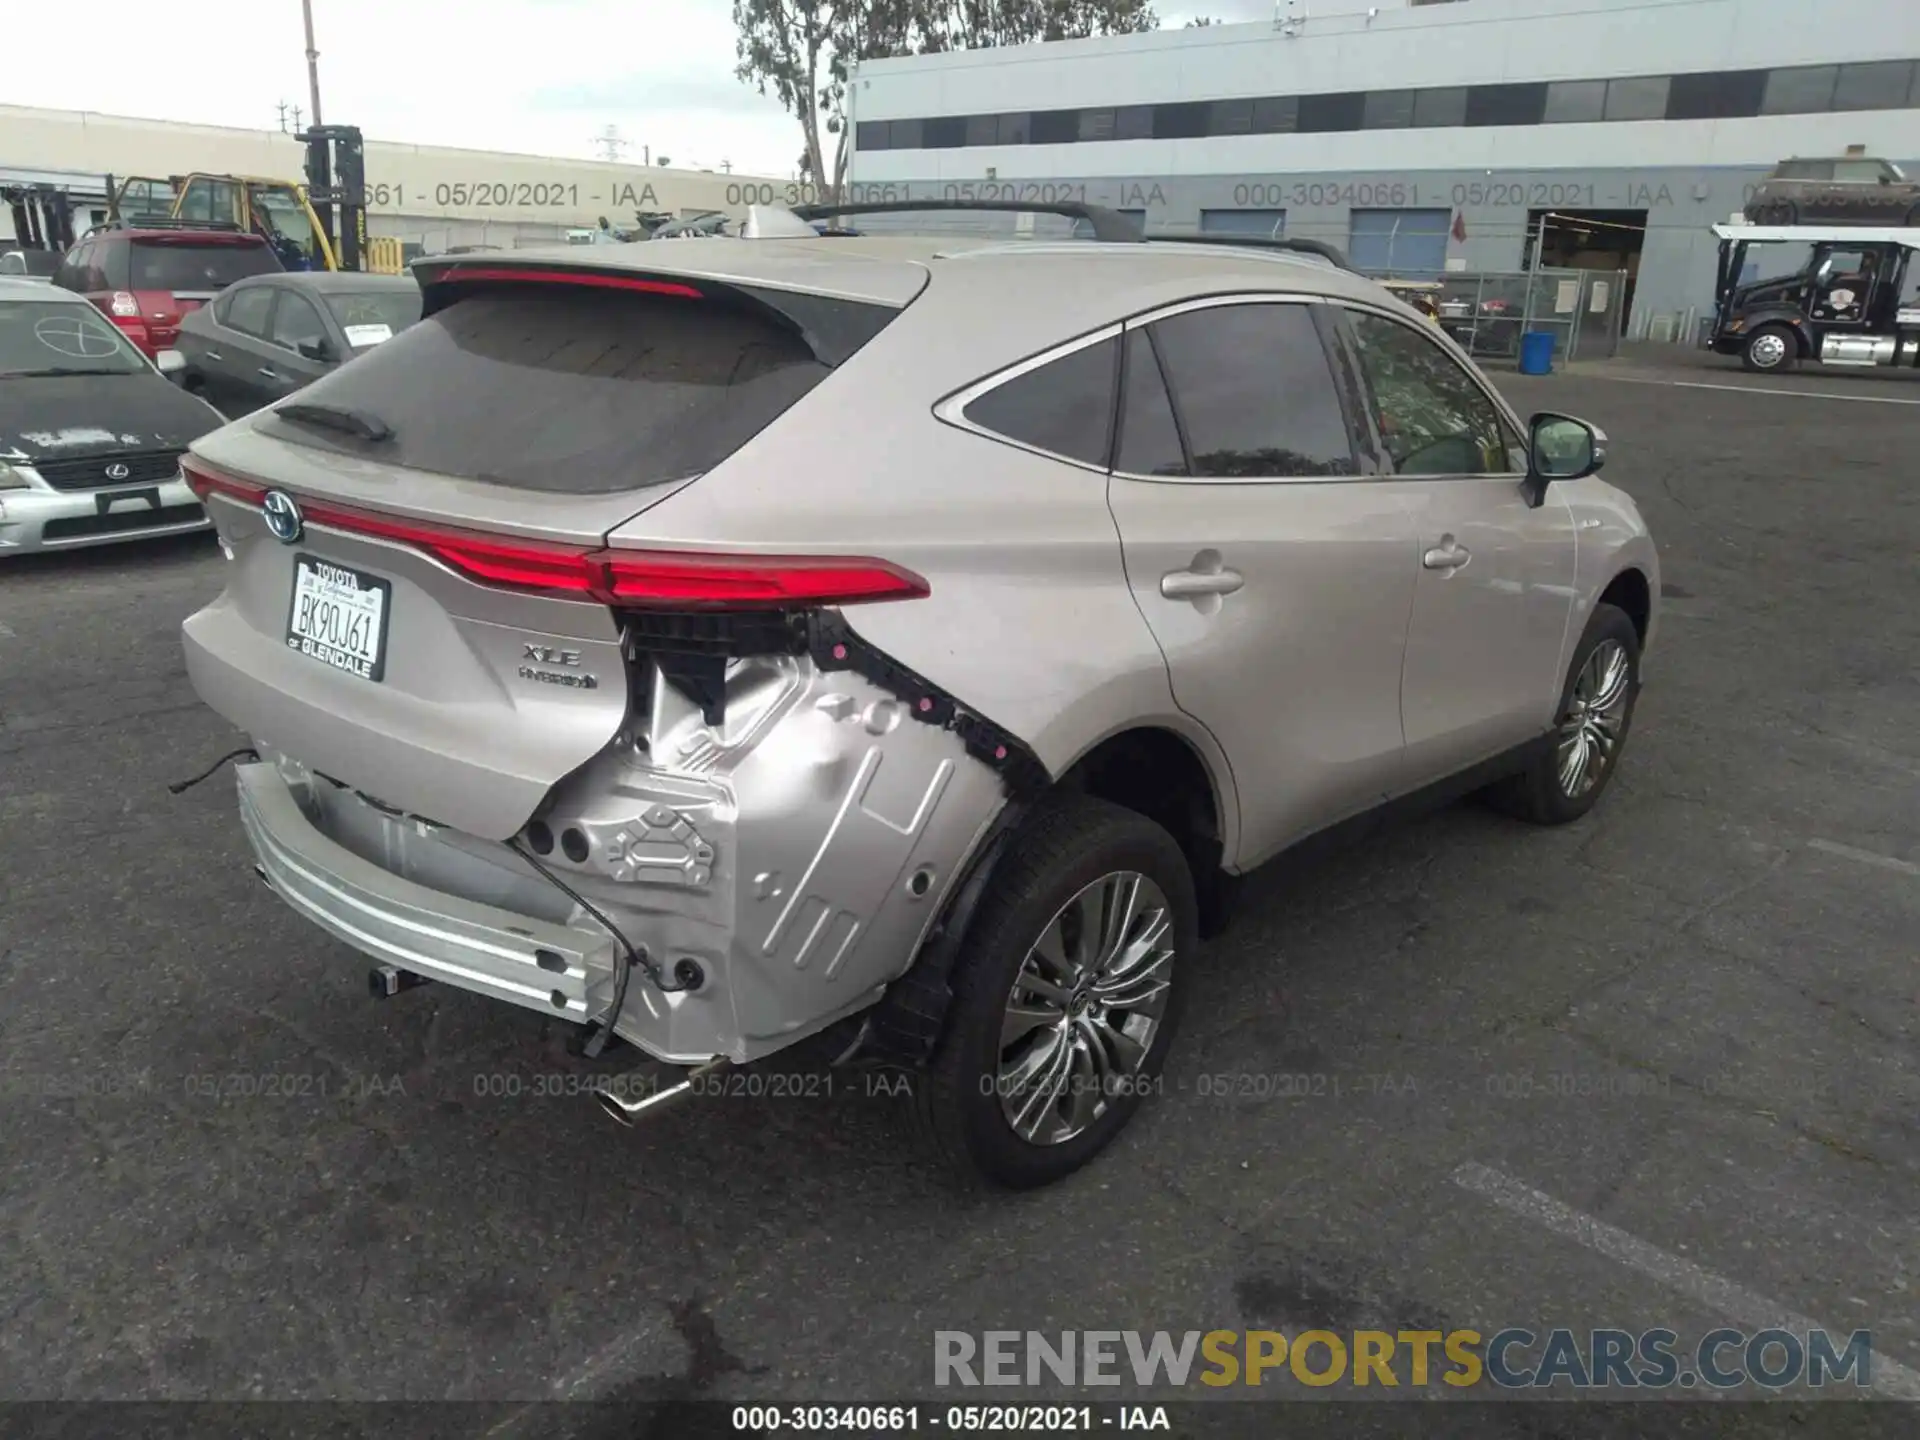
1433	418
1149	440
246	310
1254	393
1064	407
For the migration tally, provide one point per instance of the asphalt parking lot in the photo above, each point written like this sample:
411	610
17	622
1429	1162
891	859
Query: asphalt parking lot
1661	1068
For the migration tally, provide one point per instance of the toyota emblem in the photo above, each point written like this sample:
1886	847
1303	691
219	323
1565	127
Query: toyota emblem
282	516
117	471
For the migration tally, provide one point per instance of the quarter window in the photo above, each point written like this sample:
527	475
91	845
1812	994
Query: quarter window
1149	439
1064	407
1253	392
1433	419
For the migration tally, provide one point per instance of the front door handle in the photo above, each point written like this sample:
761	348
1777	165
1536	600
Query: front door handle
269	372
214	355
1449	554
1190	584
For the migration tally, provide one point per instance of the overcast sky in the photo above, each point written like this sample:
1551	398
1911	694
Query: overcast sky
536	76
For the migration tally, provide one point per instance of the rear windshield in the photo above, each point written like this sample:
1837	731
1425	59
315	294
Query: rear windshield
568	390
186	265
369	318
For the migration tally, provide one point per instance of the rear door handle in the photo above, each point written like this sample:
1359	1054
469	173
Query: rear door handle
269	372
1186	584
1447	555
215	355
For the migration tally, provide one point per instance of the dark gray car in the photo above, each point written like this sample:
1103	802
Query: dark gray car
266	337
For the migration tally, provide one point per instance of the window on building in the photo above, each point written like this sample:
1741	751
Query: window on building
1276	115
1802	90
1327	114
1231	117
1575	102
1149	439
947	132
1642	98
1015	128
1388	110
1254	393
983	130
1096	125
1404	243
1064	407
1055	127
1186	121
1433	419
871	135
1133	122
1440	108
1506	104
1261	224
1716	95
905	135
1882	85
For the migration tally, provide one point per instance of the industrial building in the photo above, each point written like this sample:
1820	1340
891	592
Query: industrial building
432	196
1476	135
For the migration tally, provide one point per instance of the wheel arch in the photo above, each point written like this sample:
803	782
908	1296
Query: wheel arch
1631	590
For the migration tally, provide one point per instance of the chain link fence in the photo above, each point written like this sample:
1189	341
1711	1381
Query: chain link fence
1487	312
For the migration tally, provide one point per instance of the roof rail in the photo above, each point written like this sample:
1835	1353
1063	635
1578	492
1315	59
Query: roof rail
1332	254
168	222
1107	225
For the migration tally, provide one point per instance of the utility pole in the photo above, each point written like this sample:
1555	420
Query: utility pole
611	142
313	60
282	107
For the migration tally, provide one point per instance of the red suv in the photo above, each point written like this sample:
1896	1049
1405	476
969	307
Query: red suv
145	279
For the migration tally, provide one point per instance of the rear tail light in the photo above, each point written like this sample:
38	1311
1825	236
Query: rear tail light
630	579
124	304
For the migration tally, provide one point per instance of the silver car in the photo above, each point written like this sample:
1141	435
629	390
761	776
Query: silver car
897	642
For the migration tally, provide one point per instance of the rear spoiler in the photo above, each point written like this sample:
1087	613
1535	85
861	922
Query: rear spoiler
832	328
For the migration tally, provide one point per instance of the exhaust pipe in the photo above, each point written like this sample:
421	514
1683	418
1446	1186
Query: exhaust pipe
628	1112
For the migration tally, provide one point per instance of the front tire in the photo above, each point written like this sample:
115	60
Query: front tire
1770	350
1567	777
1066	995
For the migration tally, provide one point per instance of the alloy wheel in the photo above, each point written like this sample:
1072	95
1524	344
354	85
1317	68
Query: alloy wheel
1085	1007
1768	350
1595	720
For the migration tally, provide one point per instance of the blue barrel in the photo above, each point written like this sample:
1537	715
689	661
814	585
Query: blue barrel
1536	352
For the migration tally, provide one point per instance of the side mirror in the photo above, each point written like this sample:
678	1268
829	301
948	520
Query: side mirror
1560	447
316	350
170	363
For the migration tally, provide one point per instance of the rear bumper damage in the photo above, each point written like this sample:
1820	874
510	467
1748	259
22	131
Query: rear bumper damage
795	851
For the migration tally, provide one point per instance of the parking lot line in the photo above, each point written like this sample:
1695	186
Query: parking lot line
1866	857
1750	389
1756	1312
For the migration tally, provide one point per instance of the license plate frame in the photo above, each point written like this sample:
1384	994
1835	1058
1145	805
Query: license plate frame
305	567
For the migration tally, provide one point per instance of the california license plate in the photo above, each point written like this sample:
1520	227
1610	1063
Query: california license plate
339	617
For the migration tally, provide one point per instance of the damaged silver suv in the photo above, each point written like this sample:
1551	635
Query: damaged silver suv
904	643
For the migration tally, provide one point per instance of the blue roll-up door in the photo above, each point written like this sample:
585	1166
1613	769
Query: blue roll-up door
1407	243
1261	224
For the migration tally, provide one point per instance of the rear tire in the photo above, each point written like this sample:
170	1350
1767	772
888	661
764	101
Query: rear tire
1568	776
1771	350
1039	1068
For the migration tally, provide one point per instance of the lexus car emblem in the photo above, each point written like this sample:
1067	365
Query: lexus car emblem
282	516
117	471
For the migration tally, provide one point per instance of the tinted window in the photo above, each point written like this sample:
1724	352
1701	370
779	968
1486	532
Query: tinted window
1179	122
247	310
1231	117
1433	419
1879	86
1133	122
1442	107
983	130
870	135
948	132
1096	125
570	391
361	317
1276	115
1326	114
1642	99
1506	104
174	265
1013	128
1716	95
1149	440
1065	406
1572	102
1389	110
1056	127
1254	392
295	320
1804	90
904	135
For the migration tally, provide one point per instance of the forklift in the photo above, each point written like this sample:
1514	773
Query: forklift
1855	303
42	217
299	221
